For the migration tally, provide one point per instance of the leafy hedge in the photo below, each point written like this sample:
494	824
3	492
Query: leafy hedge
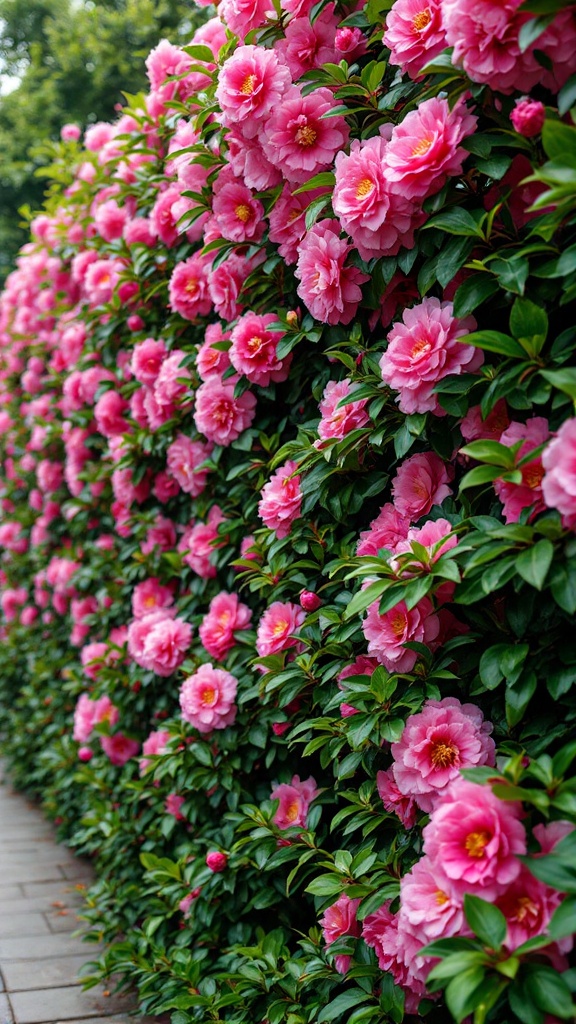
288	510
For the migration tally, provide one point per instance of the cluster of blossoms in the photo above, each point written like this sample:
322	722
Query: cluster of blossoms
219	385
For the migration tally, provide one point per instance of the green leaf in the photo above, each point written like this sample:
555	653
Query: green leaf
486	921
464	992
518	696
494	341
559	141
549	991
564	380
480	475
553	871
512	273
532	30
475	290
365	597
458	221
563	920
533	563
452	965
567	96
563	587
344	1001
325	885
529	325
200	52
493	452
325	179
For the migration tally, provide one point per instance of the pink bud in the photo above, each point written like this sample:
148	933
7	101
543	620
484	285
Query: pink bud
135	322
309	601
528	116
85	753
279	728
216	861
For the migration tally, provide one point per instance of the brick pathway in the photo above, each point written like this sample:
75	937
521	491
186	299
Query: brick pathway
40	892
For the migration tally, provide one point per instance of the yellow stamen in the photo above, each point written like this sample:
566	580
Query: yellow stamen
242	212
306	135
420	20
247	87
443	755
422	147
364	188
476	841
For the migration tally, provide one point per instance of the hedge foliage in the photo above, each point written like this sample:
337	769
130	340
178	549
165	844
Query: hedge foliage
288	509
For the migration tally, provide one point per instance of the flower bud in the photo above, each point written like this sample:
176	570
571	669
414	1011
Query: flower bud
528	116
309	601
216	861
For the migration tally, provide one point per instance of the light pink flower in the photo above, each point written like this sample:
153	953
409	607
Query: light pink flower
435	744
70	132
388	633
330	290
199	542
109	414
251	84
247	160
119	748
423	349
396	951
154	745
287	220
149	596
253	351
528	117
473	839
173	806
386	531
93	658
210	361
473	426
219	415
225	282
338	420
338	920
185	459
239	216
420	482
414	34
306	44
90	713
173	380
298	139
207	698
278	626
295	798
424	149
426	909
281	499
559	481
395	802
188	288
242	16
528	493
428	537
225	616
165	645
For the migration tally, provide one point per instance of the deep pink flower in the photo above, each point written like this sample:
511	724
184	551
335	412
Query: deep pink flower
277	627
298	139
239	216
473	839
149	596
420	482
294	799
429	537
386	531
173	380
216	861
281	499
119	748
559	481
188	288
485	40
109	414
251	84
207	698
219	415
435	744
247	160
199	542
287	220
388	633
396	951
338	920
527	905
414	34
185	459
162	535
224	617
528	493
338	420
423	349
330	290
210	361
424	149
474	427
362	666
307	45
173	806
395	802
253	350
154	745
528	116
225	282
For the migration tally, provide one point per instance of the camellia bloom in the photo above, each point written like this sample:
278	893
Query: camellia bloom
414	34
306	44
473	840
420	482
396	951
281	499
185	459
527	905
298	139
528	117
119	748
165	646
386	531
253	350
147	358
154	745
294	799
207	698
395	802
338	420
277	627
426	910
90	713
330	290
149	596
188	288
423	349
388	633
559	481
435	744
225	616
528	493
216	861
199	542
251	85
238	214
338	920
219	415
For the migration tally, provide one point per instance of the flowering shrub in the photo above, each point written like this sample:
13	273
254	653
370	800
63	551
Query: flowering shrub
288	502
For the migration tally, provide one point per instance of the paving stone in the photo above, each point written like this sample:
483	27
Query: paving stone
80	870
64	921
59	889
5	1011
56	972
23	924
44	1006
51	904
33	873
41	946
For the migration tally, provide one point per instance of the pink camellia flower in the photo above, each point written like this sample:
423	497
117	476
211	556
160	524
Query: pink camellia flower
473	840
207	698
247	160
188	288
162	535
210	361
473	426
225	282
559	481
426	910
306	44
362	666
185	463
298	139
527	905
528	493
109	414
424	149
287	220
119	748
423	349
338	920
278	626
90	713
149	596
166	645
173	381
294	799
338	420
429	537
386	531
225	616
350	43
216	861
378	219
528	117
85	754
253	350
309	601
219	415
396	951
153	746
189	899
251	84
70	132
239	216
173	806
388	633
420	482
414	34
395	802
330	290
435	744
281	499
199	542
139	629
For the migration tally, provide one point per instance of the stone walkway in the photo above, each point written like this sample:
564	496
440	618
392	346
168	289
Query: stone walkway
40	892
